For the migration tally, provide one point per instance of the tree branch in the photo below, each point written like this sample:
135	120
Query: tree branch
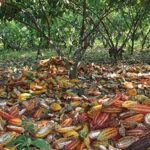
134	23
48	23
108	34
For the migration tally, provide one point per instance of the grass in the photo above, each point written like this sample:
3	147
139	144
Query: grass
22	58
6	55
98	55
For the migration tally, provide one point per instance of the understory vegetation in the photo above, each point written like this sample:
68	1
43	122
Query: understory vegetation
75	29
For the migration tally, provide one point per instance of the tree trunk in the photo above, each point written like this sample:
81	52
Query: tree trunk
73	73
38	50
132	45
144	40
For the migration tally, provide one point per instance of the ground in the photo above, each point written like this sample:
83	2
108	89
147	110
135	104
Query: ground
40	105
97	55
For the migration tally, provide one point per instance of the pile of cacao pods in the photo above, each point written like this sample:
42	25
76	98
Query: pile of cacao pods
106	108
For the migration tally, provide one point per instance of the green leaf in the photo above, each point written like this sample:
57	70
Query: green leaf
18	140
30	126
41	144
